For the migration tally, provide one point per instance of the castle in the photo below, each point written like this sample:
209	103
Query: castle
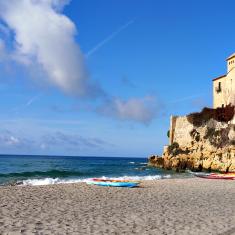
224	86
204	140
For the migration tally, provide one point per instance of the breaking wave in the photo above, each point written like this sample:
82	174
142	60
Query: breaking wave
49	181
139	163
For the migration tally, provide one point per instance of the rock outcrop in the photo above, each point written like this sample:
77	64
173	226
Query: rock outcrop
199	143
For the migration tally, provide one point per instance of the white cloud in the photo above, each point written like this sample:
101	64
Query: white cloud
135	109
45	36
7	139
43	146
57	4
13	140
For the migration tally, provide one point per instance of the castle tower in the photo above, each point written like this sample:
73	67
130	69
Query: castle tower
230	62
224	86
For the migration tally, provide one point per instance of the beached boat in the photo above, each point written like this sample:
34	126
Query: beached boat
225	176
113	182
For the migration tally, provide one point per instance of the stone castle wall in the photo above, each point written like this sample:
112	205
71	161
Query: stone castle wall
209	145
181	130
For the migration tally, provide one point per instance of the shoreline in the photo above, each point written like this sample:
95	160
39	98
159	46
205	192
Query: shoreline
53	181
169	206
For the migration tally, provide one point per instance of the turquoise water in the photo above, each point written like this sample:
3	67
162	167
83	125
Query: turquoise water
40	170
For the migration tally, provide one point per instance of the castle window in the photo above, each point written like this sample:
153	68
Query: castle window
218	88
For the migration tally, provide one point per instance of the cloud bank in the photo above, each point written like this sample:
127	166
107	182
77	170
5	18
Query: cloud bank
11	140
54	140
43	35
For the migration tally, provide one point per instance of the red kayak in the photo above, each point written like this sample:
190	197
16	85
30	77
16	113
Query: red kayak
227	176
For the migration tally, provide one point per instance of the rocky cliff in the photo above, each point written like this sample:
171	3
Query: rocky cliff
199	141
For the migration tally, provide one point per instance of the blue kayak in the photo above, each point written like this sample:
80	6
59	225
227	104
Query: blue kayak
107	183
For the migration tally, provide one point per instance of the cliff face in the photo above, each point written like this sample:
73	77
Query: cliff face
197	142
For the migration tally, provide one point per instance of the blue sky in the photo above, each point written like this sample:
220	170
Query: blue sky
102	77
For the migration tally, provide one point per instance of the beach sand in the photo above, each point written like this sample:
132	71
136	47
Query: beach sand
171	206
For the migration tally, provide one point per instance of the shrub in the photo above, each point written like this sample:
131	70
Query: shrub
173	148
217	138
209	133
224	114
168	133
195	135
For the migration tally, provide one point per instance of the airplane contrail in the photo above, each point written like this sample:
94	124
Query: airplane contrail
32	100
186	98
27	104
110	37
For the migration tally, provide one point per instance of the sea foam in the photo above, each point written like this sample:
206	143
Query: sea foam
49	181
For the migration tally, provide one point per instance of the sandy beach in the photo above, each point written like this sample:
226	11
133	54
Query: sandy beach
172	206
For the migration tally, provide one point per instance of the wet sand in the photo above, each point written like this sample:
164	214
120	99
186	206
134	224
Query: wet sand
171	206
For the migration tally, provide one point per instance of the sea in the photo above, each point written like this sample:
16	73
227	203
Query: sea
45	170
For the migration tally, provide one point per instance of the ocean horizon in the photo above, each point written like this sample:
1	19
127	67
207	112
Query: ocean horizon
58	155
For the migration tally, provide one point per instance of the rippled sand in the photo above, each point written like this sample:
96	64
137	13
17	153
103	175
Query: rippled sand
174	206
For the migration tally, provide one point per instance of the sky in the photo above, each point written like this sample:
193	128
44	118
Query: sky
103	77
